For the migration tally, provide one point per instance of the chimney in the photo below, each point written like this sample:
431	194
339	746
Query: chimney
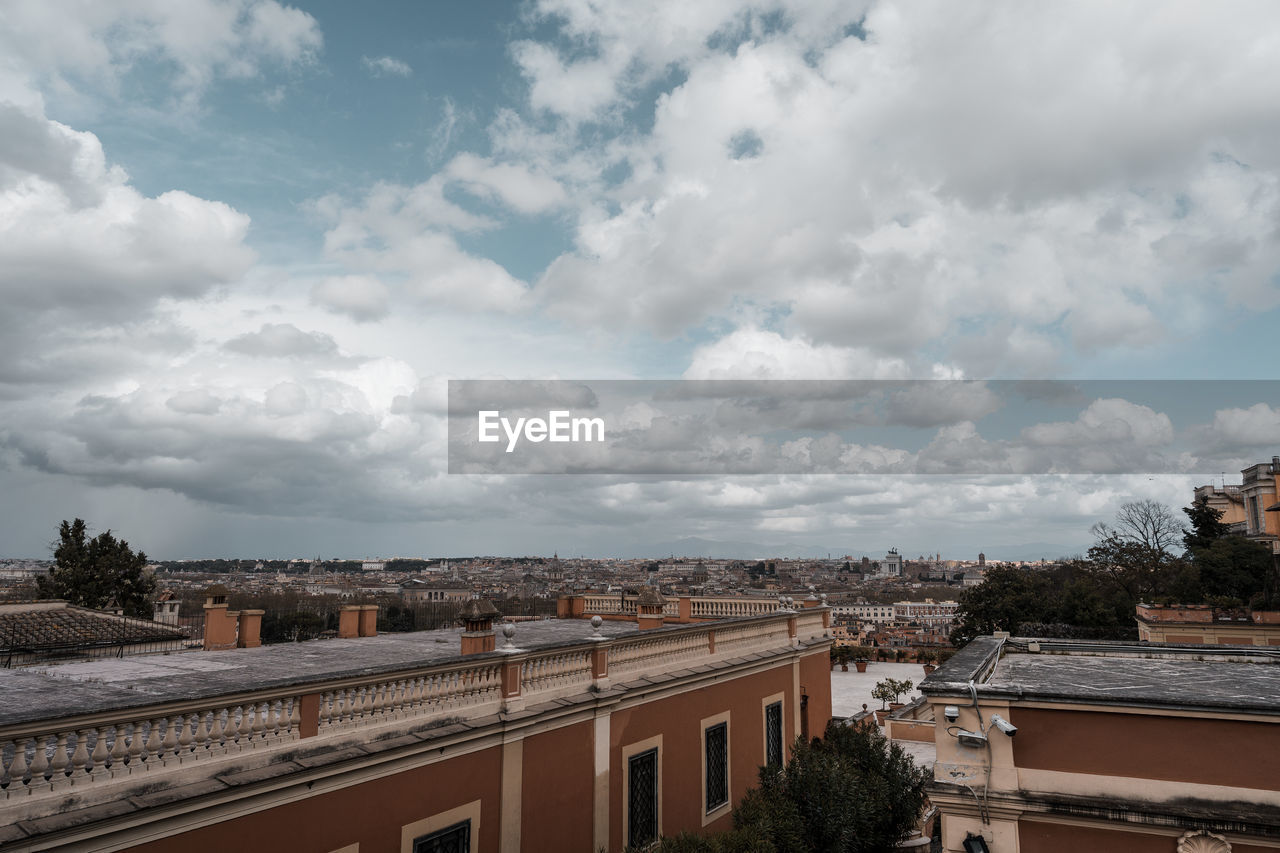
349	622
649	608
220	624
368	620
250	636
477	617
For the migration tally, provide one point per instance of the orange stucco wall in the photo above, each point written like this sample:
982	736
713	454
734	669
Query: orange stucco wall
678	720
1210	751
557	789
815	682
371	813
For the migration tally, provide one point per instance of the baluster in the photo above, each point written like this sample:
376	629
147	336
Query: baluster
326	700
101	756
367	710
40	759
185	725
217	729
119	748
18	771
201	737
170	743
6	768
80	758
295	714
154	737
259	727
58	766
245	732
377	698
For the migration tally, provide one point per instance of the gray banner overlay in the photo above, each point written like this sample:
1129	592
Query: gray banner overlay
954	427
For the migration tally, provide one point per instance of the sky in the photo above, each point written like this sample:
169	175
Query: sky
245	244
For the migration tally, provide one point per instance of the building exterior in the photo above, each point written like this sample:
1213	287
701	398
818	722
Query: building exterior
928	613
1253	507
1202	623
568	736
1119	748
878	614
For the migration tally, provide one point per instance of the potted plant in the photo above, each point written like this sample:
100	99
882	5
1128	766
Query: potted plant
840	654
927	657
861	656
888	692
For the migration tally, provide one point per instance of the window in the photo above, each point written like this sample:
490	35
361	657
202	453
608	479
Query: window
642	798
773	734
451	839
717	757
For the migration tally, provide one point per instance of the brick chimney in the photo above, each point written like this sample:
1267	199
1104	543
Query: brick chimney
649	608
368	620
250	635
349	621
220	624
477	617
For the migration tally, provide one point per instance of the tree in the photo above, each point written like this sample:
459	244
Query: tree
1007	597
850	792
1206	524
97	572
889	690
1148	523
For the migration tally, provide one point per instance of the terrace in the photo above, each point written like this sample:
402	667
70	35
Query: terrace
108	739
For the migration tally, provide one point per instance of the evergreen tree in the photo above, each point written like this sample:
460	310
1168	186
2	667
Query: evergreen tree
98	572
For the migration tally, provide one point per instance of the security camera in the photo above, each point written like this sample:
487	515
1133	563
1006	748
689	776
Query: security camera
952	713
1004	725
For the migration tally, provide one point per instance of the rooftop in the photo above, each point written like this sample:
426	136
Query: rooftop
48	691
1232	678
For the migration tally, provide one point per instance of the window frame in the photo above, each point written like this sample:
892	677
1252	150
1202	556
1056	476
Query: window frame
711	813
631	751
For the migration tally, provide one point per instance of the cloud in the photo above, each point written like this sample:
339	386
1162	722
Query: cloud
84	252
914	181
97	44
752	353
195	401
386	66
282	340
409	232
361	297
516	186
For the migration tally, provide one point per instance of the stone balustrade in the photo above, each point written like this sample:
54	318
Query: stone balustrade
44	758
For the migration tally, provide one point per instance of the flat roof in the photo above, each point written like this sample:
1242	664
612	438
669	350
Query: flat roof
1232	678
53	691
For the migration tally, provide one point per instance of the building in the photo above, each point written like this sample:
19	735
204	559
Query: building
569	735
1119	748
1252	508
927	613
1203	623
891	565
877	614
432	591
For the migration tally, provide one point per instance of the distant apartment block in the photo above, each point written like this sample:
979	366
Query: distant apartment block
928	613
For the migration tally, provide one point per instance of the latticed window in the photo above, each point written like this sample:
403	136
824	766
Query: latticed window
773	734
642	798
451	839
717	765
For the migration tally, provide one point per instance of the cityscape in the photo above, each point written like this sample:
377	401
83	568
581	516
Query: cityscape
744	426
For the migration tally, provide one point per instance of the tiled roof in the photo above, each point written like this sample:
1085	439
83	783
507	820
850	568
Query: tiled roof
56	625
